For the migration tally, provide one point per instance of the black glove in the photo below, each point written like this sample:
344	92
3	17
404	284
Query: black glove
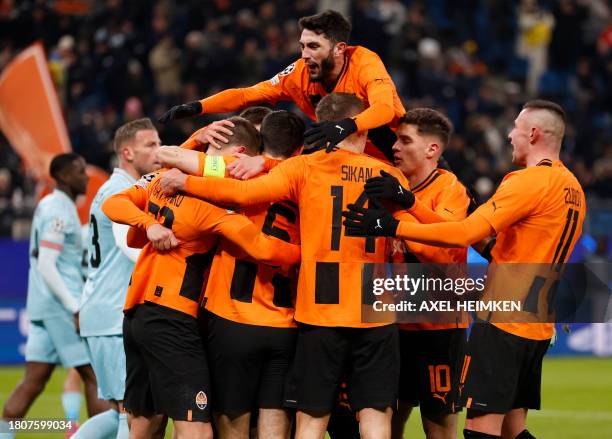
182	111
372	221
328	134
387	187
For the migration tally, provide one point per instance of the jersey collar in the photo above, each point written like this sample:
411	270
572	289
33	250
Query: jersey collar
545	162
429	180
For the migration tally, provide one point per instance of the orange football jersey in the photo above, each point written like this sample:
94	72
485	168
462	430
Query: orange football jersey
330	279
364	75
242	290
444	195
538	214
175	278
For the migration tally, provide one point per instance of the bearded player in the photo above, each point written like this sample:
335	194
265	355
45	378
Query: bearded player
328	64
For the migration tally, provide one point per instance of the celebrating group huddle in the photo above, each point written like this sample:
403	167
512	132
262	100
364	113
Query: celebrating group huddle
244	307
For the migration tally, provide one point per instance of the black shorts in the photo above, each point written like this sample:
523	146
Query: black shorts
167	371
248	364
501	371
430	367
368	357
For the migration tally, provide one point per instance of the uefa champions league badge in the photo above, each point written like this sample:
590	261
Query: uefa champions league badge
201	400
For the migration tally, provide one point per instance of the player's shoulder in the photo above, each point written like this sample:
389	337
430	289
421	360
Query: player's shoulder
56	209
293	70
117	182
146	180
362	54
56	203
448	179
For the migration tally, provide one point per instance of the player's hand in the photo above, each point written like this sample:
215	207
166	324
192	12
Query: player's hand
215	133
76	322
161	237
182	111
373	221
387	187
246	166
328	134
172	181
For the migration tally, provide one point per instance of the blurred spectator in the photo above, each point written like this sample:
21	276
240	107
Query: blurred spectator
164	62
535	29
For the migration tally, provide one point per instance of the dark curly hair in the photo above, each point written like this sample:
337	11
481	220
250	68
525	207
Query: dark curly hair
331	24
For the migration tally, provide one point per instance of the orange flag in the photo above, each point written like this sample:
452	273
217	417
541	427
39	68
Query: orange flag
31	119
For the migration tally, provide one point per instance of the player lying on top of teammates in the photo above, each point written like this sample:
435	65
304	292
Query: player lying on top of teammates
327	65
542	203
167	369
333	340
251	332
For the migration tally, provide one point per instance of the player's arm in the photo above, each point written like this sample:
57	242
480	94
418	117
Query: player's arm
120	233
186	160
50	247
127	207
374	79
381	111
212	134
269	91
200	164
376	221
515	198
449	234
266	249
279	184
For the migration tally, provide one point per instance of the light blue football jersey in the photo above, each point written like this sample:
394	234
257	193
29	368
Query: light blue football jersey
55	215
109	270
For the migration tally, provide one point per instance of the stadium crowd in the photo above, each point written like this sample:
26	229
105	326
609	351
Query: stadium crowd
477	61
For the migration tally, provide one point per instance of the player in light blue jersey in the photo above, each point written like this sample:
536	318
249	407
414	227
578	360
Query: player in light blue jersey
110	266
55	282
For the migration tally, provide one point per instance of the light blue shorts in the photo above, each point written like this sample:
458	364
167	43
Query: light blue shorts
108	361
55	341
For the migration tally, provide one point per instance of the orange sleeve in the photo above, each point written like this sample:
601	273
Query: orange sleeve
241	231
236	98
452	205
270	163
281	183
126	207
375	79
270	91
448	234
191	142
514	199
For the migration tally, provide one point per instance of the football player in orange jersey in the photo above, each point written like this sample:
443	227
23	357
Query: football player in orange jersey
167	370
542	203
328	64
251	332
431	353
333	338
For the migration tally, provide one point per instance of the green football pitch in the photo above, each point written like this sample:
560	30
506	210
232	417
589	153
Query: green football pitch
577	400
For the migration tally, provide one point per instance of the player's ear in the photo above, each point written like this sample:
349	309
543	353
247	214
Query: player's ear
534	134
241	149
432	150
339	49
127	153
